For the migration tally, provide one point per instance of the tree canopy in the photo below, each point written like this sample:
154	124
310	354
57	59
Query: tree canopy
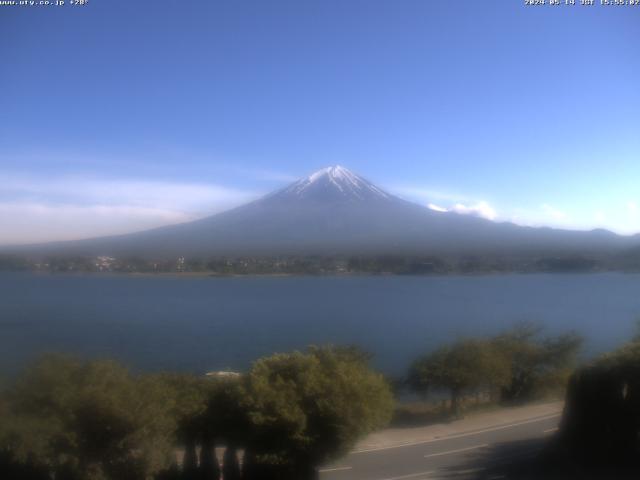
88	421
94	420
537	363
314	406
465	366
520	363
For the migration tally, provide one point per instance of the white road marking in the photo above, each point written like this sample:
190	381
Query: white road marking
411	475
459	435
457	451
334	469
549	430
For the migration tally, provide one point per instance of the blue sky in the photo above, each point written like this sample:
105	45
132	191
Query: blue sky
122	115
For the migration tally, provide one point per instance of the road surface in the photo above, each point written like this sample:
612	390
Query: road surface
468	451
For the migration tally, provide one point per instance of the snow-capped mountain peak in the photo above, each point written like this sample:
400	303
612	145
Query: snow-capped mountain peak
334	182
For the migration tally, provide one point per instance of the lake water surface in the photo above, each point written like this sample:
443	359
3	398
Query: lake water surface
203	323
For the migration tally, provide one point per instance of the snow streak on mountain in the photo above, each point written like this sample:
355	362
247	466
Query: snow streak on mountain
332	183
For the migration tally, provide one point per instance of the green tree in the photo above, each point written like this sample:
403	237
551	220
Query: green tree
537	364
186	403
466	366
307	408
88	421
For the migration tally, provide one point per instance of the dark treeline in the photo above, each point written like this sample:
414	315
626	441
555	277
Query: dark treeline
600	430
319	265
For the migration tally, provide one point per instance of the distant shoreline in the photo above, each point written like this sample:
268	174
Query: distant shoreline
187	275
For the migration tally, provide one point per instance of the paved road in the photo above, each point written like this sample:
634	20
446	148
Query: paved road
480	453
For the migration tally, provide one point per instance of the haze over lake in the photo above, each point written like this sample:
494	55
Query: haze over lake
200	324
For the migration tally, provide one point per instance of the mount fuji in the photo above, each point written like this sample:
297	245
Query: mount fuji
333	212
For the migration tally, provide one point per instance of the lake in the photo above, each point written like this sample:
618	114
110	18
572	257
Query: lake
200	324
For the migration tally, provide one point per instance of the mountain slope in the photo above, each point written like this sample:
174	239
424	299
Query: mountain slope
334	211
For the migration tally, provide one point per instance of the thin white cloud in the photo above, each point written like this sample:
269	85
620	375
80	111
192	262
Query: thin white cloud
461	204
625	219
36	209
481	209
83	190
437	208
424	195
553	213
547	215
26	222
164	160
